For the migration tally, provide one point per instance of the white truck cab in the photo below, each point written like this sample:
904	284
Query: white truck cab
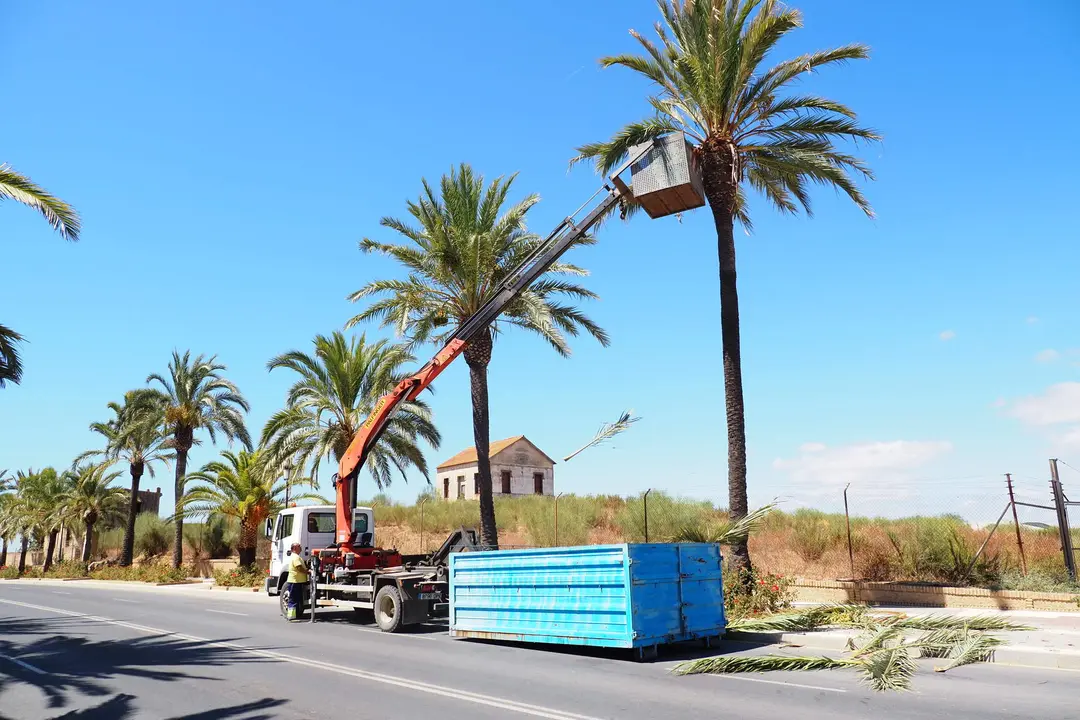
313	527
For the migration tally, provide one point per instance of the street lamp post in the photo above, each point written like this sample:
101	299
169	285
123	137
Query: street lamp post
288	480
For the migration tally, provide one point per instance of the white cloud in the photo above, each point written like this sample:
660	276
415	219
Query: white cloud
1047	356
1059	404
1032	320
999	403
947	335
886	466
1070	439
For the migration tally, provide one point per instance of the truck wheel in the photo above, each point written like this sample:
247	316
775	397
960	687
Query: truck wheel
283	601
388	610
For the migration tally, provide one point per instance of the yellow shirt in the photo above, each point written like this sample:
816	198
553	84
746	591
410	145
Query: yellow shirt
297	569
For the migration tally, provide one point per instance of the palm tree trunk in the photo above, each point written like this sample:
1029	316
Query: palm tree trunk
88	541
478	355
178	522
3	552
245	547
50	548
22	553
127	554
720	182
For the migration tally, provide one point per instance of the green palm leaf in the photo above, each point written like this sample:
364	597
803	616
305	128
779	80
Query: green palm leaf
21	189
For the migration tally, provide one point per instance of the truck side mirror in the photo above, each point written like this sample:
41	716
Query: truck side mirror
269	527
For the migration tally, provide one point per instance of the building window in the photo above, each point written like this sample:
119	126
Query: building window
476	484
538	483
446	488
460	487
505	482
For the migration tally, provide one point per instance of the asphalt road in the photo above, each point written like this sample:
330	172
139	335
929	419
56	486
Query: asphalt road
93	653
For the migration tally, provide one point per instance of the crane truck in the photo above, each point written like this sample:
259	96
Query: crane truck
350	571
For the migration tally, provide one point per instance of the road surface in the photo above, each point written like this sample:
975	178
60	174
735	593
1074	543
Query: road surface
112	653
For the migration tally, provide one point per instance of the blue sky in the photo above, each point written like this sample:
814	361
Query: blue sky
226	159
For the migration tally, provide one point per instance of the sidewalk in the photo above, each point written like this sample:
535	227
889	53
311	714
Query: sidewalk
1054	643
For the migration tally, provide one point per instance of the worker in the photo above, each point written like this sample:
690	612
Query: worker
298	578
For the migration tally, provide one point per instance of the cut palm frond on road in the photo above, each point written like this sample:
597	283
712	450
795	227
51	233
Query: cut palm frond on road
607	431
884	654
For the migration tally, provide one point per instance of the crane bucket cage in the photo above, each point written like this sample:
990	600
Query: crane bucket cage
667	179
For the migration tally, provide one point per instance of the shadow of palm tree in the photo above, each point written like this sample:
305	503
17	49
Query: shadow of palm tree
122	707
61	664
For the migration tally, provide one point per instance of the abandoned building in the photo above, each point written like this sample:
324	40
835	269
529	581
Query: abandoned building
517	468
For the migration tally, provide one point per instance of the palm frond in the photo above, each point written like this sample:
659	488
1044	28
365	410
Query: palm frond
976	648
10	361
950	622
760	664
21	189
888	669
607	431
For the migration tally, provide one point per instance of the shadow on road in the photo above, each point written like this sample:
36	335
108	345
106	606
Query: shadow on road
49	655
366	618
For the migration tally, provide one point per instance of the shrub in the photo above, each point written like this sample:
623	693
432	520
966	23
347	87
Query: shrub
9	572
239	577
153	573
153	535
213	539
769	593
67	569
814	533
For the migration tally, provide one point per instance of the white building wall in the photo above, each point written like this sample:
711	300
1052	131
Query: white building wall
520	459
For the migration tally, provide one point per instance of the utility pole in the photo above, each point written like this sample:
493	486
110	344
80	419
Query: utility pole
1016	522
1063	519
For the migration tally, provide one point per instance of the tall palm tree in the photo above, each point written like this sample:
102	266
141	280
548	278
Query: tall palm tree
63	218
6	526
338	387
462	245
197	397
42	494
244	486
135	435
751	132
92	498
19	512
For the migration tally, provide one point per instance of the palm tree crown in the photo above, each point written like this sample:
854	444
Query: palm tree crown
91	498
10	361
196	396
751	130
338	387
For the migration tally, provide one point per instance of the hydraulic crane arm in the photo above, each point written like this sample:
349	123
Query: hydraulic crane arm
536	264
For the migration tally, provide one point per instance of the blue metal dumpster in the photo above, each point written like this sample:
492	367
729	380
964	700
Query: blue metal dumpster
623	596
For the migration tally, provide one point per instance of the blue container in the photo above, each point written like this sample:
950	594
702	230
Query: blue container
623	596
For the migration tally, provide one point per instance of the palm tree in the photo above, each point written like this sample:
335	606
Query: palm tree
243	486
63	218
751	132
338	387
461	247
6	527
137	436
92	498
42	493
10	362
197	397
21	189
18	512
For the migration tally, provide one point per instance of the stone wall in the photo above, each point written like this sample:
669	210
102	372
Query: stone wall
920	595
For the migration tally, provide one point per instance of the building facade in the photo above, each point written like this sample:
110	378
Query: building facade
518	468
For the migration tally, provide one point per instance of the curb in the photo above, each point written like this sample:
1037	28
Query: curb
1018	655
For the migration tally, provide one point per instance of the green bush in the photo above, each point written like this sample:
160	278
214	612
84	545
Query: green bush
9	572
155	573
214	539
67	569
756	593
814	533
239	577
153	535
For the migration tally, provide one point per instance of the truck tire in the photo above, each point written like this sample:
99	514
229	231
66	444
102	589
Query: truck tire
388	609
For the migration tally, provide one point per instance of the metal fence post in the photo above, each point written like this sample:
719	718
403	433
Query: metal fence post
1063	520
1016	523
557	519
847	519
645	505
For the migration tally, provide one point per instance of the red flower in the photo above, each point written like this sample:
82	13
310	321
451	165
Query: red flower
760	582
776	588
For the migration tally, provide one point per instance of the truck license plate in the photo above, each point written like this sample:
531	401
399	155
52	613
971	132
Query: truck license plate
429	596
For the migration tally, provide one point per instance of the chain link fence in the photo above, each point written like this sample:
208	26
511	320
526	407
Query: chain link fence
971	531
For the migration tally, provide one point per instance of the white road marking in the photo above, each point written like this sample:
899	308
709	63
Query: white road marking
133	602
226	612
22	664
780	682
395	635
60	592
415	685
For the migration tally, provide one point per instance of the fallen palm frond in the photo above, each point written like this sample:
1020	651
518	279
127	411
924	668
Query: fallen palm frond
947	622
888	669
759	663
811	619
607	431
977	648
939	643
879	639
